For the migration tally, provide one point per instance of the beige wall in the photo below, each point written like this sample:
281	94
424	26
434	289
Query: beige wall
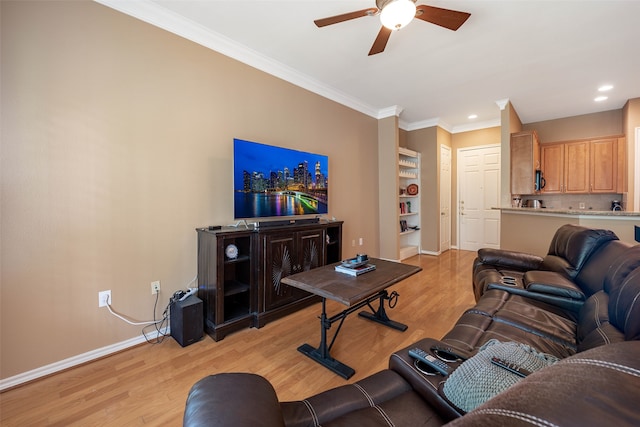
606	123
388	184
532	233
117	144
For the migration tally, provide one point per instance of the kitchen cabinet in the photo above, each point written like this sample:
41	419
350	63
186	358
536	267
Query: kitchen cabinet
585	166
552	163
604	166
576	167
525	160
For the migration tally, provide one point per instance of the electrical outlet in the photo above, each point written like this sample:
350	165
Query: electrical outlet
582	206
155	287
361	241
104	298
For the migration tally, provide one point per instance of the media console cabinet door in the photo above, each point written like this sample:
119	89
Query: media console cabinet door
287	253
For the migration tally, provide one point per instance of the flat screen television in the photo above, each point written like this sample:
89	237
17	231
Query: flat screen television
271	181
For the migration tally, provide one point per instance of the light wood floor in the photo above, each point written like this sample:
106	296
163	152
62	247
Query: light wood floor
148	384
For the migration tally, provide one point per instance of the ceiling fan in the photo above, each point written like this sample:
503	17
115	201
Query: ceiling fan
396	14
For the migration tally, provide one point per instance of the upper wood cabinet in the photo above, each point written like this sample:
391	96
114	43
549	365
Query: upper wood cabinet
576	167
525	159
586	166
603	165
552	159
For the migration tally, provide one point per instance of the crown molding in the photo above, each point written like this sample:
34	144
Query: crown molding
394	110
476	126
422	124
502	103
160	17
451	129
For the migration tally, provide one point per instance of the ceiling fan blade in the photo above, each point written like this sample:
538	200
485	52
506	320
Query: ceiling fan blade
381	41
451	19
345	17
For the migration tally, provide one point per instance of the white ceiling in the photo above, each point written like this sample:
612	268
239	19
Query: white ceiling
547	57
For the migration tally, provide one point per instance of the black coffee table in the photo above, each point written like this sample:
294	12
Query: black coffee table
355	292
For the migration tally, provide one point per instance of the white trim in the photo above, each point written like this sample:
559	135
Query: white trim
502	103
73	361
423	124
476	126
434	253
389	112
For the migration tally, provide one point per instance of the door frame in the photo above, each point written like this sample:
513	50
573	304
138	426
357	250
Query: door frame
458	180
442	190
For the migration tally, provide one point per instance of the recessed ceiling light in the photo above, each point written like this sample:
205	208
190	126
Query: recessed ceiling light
605	88
473	116
601	98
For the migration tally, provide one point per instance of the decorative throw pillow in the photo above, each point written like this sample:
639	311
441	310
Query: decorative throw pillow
478	379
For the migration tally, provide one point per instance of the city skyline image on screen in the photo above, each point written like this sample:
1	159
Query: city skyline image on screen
270	181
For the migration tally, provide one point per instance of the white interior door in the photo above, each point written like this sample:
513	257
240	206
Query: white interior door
479	192
445	198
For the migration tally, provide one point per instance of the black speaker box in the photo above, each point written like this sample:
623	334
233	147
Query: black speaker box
187	321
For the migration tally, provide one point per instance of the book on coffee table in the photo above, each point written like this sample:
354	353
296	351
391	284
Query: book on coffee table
355	271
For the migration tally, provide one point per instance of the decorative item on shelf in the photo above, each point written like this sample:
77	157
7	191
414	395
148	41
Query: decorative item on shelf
403	226
231	251
403	191
412	189
408	207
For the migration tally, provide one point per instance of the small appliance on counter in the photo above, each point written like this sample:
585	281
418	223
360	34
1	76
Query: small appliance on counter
533	203
616	205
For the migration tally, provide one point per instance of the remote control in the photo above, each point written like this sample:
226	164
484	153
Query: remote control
426	358
511	367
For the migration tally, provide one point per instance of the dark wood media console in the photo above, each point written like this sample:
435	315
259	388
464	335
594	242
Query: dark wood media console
246	290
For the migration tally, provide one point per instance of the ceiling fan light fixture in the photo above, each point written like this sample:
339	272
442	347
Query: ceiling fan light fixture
397	14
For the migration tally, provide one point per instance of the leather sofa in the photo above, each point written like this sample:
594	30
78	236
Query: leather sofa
586	312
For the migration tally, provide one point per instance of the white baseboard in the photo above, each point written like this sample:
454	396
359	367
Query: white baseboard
430	253
73	361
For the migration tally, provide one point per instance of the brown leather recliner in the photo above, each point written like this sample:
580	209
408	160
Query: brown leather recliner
596	383
599	387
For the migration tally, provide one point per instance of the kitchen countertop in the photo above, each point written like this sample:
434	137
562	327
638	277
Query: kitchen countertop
570	212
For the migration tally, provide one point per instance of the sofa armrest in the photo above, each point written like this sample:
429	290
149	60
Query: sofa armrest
233	399
511	259
552	283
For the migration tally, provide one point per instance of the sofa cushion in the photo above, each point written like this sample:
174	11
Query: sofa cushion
383	399
551	283
594	272
594	328
620	268
474	329
571	246
624	306
247	400
597	387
